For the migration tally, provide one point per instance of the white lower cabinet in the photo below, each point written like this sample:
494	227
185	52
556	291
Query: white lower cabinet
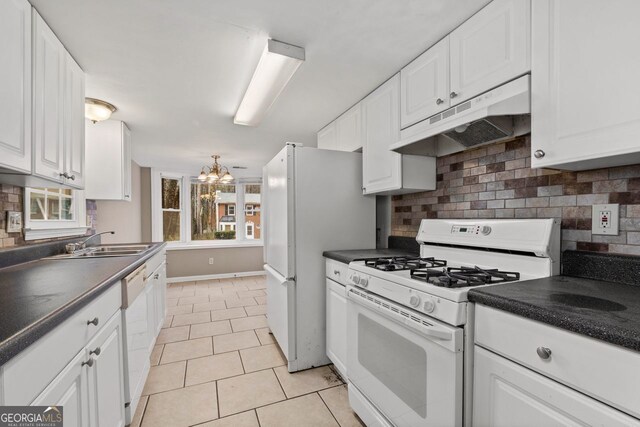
69	390
160	286
508	395
337	325
106	376
90	388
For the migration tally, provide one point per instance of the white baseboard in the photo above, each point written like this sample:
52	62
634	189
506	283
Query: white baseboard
214	276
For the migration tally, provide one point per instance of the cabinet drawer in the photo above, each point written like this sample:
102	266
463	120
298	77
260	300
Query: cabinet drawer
337	271
154	262
27	374
604	371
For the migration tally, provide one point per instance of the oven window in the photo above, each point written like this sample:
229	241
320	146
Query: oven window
398	363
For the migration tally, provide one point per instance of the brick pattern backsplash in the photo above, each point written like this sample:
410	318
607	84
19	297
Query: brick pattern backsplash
12	199
496	181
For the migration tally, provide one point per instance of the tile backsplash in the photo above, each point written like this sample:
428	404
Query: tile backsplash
12	199
496	181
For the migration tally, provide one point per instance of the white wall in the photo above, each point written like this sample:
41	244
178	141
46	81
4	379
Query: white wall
125	218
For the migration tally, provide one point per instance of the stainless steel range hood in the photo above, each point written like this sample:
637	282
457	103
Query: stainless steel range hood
499	114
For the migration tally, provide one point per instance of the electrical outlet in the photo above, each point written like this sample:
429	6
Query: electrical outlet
604	219
211	261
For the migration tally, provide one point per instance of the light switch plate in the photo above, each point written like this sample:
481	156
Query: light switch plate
605	219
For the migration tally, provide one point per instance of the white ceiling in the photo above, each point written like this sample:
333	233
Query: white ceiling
177	69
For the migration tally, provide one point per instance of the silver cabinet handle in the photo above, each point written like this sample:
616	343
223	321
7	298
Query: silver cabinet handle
156	276
71	177
89	363
538	154
63	174
439	101
96	351
93	321
453	95
336	272
544	352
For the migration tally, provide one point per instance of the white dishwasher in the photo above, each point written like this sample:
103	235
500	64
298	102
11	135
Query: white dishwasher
139	335
337	315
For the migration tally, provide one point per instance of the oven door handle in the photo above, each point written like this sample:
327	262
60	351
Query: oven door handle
431	331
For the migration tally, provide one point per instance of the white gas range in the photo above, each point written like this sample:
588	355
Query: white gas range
410	327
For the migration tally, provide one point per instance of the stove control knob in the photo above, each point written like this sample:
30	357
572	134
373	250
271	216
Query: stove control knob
414	301
486	230
364	282
356	279
429	306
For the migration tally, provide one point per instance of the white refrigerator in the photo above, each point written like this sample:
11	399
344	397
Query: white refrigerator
313	202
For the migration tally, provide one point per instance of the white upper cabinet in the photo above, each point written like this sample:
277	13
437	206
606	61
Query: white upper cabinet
74	123
381	169
385	171
48	88
424	85
58	109
349	129
585	85
15	85
108	160
490	48
328	137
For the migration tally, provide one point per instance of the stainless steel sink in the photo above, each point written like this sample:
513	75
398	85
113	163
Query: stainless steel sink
105	251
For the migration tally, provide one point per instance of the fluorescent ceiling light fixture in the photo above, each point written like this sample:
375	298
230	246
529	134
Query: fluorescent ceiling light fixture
97	110
278	63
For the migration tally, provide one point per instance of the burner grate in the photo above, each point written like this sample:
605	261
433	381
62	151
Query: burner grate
404	263
459	277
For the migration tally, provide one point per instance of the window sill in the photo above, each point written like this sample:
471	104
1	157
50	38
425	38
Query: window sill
179	246
52	233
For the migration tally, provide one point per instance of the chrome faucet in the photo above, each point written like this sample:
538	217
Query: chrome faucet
72	247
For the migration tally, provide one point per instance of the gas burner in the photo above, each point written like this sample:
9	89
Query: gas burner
404	263
459	277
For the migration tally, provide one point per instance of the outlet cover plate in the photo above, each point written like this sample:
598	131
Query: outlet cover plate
605	219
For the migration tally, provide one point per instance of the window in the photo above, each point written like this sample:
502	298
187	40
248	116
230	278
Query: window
211	217
249	230
171	209
54	212
186	210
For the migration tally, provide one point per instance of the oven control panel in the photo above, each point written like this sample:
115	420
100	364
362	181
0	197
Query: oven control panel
471	230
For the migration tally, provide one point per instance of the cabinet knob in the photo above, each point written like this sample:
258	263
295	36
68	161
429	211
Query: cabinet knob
156	276
439	101
71	177
453	95
336	272
93	321
538	154
63	175
544	352
89	363
96	351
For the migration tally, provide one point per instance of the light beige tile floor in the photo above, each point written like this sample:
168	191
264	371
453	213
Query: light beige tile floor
216	365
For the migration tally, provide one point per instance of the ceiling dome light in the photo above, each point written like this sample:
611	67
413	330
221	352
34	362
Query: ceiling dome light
202	176
226	178
97	110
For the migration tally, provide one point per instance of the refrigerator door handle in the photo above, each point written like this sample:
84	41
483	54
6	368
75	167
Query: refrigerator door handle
279	276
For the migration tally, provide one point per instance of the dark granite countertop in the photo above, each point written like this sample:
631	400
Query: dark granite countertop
37	296
346	256
599	309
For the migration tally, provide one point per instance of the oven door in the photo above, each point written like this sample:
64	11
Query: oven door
408	365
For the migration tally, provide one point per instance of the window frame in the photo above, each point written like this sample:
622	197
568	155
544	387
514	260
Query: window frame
185	241
47	228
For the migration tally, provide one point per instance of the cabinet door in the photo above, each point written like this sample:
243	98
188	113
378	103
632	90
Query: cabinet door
337	325
585	110
126	163
349	130
48	86
69	390
150	295
328	138
424	85
74	123
490	48
160	285
381	168
507	394
15	85
106	376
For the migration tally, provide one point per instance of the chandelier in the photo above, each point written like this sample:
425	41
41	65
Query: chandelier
216	174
